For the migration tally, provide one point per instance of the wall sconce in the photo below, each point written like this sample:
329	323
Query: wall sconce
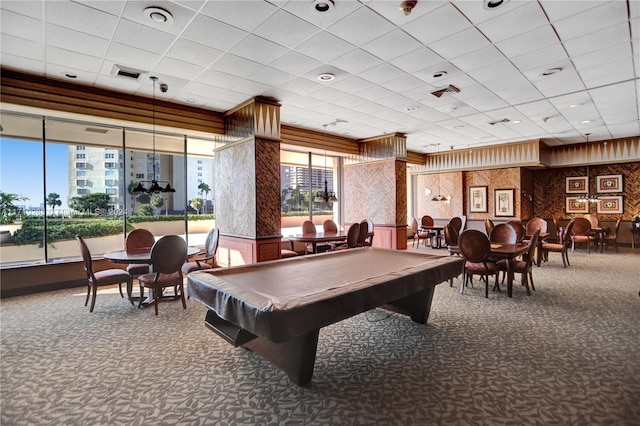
528	196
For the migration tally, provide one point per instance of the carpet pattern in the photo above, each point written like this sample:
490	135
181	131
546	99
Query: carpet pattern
566	355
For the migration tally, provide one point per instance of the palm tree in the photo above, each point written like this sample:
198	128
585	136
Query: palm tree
157	201
53	200
204	191
8	211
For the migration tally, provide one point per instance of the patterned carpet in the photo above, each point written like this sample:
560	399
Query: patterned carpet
566	355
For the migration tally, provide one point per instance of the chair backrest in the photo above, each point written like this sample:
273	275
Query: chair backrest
168	254
565	238
308	227
488	225
616	228
456	223
536	223
139	239
450	235
503	233
427	220
463	218
521	231
362	233
352	235
592	219
211	243
533	242
87	263
581	226
414	225
329	226
370	226
474	245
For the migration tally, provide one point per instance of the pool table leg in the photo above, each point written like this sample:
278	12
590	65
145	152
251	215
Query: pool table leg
295	357
417	305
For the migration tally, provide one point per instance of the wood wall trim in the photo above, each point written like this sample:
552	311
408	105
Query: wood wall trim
318	140
39	92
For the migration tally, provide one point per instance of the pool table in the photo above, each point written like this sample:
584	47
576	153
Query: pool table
277	308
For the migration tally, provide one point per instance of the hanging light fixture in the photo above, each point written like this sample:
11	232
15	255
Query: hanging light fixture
155	186
440	197
325	196
589	197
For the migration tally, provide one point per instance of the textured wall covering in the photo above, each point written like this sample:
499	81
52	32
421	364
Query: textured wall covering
401	192
235	188
549	189
526	194
371	191
267	188
450	184
493	179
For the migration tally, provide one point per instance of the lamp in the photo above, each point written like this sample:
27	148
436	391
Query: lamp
440	197
155	186
588	197
325	196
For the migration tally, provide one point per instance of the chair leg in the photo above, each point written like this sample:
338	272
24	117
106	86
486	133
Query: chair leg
88	293
120	289
531	281
93	297
130	290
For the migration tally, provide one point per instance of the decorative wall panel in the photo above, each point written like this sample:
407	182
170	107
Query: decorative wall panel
370	191
613	151
235	188
445	184
267	188
549	189
493	179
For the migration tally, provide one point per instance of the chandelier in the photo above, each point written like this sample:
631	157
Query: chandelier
154	185
325	196
439	197
589	197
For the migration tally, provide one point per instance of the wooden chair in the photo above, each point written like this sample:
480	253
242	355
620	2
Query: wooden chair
427	220
613	236
582	233
352	238
456	224
370	233
559	230
475	248
503	233
561	247
362	233
138	240
418	234
167	256
592	219
524	266
451	240
309	228
521	231
488	225
208	260
329	226
101	278
532	225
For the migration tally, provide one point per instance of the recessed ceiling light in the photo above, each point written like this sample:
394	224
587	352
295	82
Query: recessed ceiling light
326	76
515	121
493	4
158	15
585	122
322	6
412	108
550	71
439	74
574	105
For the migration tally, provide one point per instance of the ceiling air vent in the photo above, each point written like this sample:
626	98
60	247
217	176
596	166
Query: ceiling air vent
96	130
504	120
127	72
449	89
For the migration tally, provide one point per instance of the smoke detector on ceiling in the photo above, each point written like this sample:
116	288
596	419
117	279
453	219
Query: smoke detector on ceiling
447	90
407	6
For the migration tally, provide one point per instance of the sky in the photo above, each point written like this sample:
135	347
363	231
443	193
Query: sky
21	170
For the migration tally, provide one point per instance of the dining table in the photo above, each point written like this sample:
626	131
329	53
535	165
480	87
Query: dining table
140	256
501	251
318	237
438	229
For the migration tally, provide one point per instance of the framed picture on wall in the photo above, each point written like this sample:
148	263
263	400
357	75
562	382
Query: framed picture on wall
478	199
576	184
610	205
503	200
609	183
572	205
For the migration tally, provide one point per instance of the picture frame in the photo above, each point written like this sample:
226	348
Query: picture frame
576	184
573	206
609	183
610	205
478	199
503	200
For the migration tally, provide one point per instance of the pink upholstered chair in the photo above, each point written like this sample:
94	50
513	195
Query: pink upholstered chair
138	240
475	248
